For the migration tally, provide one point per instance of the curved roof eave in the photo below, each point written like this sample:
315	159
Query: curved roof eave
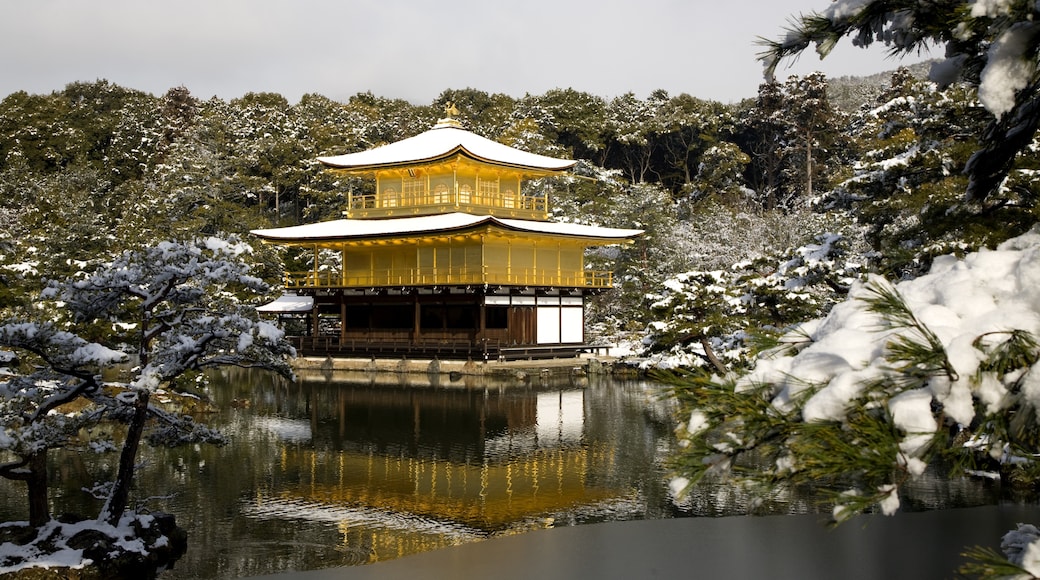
444	157
347	229
440	143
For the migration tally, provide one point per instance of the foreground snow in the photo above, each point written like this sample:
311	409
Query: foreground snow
971	305
951	352
138	544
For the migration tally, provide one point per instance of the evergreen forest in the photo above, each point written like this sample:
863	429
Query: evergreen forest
841	278
727	193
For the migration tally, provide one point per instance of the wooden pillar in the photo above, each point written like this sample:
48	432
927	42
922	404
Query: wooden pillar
416	319
342	317
482	318
314	273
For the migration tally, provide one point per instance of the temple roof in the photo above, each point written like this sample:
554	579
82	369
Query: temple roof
288	303
444	140
346	229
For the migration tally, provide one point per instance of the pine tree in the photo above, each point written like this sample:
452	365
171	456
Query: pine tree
793	135
992	46
907	188
174	309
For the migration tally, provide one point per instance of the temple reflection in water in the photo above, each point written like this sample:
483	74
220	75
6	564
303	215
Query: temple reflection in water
403	468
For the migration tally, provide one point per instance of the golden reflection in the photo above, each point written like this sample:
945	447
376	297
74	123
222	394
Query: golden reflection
405	470
378	545
440	490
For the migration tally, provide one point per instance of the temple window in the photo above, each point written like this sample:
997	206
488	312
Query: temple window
440	194
487	190
413	189
390	197
465	193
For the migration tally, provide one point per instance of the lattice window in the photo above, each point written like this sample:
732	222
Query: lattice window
487	190
413	189
390	197
440	194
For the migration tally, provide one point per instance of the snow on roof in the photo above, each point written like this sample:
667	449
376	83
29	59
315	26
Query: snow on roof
288	303
354	228
566	229
445	140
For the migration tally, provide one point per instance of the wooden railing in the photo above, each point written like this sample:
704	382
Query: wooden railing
449	348
393	347
449	277
426	202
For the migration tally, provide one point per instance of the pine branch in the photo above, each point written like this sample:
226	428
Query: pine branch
1020	350
860	451
989	563
907	351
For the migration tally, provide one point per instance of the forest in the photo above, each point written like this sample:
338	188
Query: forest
842	278
723	190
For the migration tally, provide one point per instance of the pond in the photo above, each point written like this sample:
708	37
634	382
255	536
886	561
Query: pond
341	469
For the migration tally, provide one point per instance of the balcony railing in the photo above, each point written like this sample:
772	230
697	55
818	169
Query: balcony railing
421	203
376	344
449	277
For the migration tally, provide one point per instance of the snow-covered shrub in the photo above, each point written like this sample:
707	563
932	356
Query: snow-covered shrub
172	309
897	378
701	314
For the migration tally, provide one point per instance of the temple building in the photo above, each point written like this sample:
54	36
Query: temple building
447	257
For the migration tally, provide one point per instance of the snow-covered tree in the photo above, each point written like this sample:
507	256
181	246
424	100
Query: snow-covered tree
720	175
31	405
939	372
906	187
632	123
171	310
815	127
711	318
689	128
934	373
482	113
792	134
179	110
573	121
765	137
991	45
381	120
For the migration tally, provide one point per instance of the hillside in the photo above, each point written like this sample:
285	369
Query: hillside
849	93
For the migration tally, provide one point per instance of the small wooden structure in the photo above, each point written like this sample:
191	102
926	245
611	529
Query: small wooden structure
449	257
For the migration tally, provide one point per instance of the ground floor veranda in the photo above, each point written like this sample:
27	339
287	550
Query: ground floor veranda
477	323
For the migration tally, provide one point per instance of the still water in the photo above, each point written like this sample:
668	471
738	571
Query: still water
342	469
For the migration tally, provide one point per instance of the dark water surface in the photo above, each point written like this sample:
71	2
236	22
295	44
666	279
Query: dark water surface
344	469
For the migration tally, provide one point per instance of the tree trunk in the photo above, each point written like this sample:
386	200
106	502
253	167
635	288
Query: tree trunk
36	485
120	496
808	164
712	357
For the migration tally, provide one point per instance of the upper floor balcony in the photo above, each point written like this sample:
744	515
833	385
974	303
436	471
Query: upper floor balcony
414	277
403	196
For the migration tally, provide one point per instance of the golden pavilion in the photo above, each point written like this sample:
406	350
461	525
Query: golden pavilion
447	257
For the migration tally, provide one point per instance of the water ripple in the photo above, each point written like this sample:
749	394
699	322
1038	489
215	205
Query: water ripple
268	507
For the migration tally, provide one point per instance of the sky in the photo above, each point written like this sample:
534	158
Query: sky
411	49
